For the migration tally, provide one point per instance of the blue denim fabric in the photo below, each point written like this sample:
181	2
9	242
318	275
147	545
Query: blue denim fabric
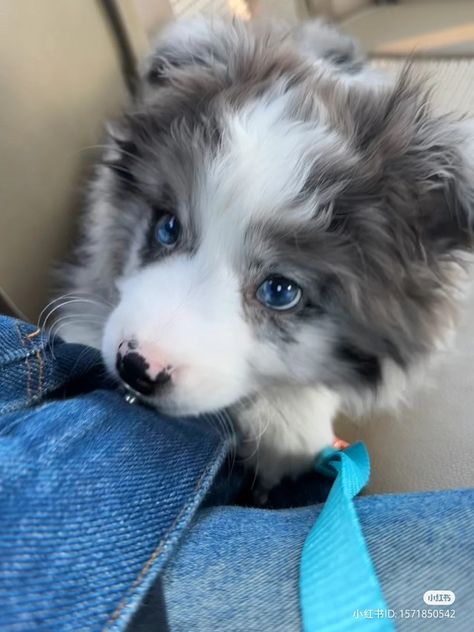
99	515
94	493
239	567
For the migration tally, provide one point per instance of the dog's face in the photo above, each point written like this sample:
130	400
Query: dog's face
266	225
219	286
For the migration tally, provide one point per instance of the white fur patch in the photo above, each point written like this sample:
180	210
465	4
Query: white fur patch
285	428
265	163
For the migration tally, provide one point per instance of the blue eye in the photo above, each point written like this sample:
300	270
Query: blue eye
280	293
167	230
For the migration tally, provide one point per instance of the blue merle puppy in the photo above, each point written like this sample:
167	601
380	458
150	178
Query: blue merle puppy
277	230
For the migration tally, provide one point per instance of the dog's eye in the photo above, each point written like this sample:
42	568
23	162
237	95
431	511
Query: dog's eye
167	230
280	293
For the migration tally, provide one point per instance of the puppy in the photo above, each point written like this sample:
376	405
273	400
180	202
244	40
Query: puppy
276	230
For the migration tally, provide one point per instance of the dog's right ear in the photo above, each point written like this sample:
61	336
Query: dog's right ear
184	43
321	40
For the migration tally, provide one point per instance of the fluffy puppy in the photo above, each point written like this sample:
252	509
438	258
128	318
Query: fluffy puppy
276	230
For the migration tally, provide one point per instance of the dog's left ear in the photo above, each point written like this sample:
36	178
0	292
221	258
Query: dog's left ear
422	163
444	165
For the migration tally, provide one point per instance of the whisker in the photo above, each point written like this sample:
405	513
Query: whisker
77	294
52	331
64	320
62	305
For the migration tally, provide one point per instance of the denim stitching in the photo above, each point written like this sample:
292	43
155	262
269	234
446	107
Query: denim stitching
10	408
156	553
41	361
28	354
40	372
15	352
34	334
37	353
28	367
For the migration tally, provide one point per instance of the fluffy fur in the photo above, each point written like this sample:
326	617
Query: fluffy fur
281	152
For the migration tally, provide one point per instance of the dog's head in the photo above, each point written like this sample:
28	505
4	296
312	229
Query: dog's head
265	221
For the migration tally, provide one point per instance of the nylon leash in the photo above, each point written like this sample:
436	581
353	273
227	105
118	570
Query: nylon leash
337	578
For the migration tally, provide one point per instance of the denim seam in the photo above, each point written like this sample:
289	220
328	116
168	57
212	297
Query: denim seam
157	551
22	356
28	367
40	372
35	365
42	392
4	410
36	353
14	355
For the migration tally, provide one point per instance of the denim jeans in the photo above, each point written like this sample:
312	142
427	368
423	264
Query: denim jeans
115	517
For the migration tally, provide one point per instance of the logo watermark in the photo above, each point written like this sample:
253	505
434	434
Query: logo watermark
439	597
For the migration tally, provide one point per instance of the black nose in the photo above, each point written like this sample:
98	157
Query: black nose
133	370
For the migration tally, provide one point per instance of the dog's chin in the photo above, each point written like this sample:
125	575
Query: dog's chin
169	406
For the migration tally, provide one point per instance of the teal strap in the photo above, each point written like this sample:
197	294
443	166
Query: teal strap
338	585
